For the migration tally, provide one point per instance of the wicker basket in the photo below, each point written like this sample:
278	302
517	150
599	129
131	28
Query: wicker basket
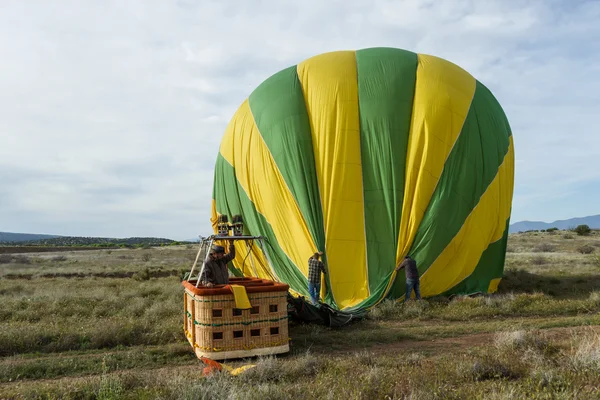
217	330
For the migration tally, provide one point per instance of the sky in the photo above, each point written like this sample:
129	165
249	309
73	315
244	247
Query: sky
112	112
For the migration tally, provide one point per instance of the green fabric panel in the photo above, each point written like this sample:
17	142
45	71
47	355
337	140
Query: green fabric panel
279	111
489	267
386	87
231	199
470	168
280	114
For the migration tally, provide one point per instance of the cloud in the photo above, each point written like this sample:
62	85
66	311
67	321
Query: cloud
112	112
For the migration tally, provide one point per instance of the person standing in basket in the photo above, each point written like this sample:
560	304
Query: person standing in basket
412	277
315	267
215	270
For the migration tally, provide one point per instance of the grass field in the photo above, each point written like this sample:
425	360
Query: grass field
107	324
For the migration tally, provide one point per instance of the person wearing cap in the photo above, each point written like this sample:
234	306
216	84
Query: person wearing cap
215	270
315	267
412	277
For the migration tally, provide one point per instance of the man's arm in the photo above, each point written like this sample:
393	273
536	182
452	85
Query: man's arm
323	267
231	255
402	265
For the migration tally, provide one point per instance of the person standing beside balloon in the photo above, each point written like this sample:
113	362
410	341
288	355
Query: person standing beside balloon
412	277
315	267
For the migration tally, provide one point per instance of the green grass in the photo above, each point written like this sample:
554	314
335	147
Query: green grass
108	324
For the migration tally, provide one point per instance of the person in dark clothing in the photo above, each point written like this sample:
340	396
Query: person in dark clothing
412	277
215	270
315	267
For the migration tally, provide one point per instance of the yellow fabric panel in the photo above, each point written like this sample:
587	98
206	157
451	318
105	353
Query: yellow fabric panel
330	88
260	178
227	141
443	94
494	285
240	297
485	225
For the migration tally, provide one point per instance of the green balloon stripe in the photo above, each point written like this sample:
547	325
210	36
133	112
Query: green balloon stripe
470	168
386	87
231	199
489	267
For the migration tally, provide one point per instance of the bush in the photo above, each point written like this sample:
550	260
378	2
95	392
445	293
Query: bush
583	230
142	275
539	260
21	259
59	258
567	236
146	257
489	368
5	258
586	249
545	248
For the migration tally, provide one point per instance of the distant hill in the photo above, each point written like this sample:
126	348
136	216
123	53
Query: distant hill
10	237
592	221
25	239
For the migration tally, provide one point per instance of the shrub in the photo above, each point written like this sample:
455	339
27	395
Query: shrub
142	275
21	259
545	248
567	236
146	257
59	258
490	368
5	258
585	249
583	230
539	260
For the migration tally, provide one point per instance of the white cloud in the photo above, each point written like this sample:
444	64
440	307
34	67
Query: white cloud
111	113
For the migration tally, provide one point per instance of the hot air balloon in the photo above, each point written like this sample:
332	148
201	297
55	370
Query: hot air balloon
368	156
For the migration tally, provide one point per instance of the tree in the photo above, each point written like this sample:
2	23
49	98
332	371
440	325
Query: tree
583	230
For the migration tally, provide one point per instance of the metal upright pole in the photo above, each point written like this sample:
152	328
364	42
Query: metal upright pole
210	242
251	258
197	257
264	249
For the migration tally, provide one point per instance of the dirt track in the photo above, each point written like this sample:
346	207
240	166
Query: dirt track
461	342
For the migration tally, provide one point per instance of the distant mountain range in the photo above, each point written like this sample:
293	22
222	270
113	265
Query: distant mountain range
23	237
592	221
11	238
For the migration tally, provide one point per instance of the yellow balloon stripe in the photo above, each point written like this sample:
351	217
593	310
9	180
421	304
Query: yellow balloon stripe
445	90
256	171
485	225
330	88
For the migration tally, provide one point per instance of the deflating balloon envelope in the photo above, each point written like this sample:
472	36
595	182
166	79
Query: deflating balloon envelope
371	155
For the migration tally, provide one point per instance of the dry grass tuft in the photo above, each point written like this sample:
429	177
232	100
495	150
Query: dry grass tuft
585	352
